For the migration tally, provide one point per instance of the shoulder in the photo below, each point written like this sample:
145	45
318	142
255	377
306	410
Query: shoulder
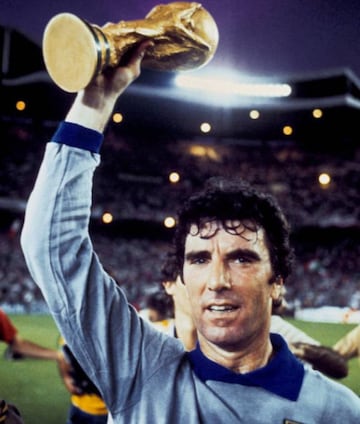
334	397
3	315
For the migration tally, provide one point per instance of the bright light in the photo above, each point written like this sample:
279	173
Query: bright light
20	105
287	130
169	222
204	152
197	150
254	114
174	177
107	218
324	179
221	86
317	113
205	127
117	117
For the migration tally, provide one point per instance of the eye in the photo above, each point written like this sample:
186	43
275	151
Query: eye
197	258
243	257
241	260
198	261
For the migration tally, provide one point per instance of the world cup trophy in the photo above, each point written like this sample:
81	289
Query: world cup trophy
185	36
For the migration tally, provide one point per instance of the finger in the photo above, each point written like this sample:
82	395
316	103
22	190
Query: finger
136	57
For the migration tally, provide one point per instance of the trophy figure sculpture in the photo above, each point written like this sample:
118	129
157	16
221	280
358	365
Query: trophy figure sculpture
185	37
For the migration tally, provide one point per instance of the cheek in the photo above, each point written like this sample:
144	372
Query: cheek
262	296
255	277
192	276
192	288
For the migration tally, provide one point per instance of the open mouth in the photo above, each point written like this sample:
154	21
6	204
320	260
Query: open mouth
221	308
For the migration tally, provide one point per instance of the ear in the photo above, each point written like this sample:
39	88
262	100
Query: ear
169	287
277	289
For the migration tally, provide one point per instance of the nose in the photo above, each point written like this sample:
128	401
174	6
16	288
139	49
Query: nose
219	277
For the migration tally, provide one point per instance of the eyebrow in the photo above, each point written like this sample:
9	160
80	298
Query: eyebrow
250	254
197	254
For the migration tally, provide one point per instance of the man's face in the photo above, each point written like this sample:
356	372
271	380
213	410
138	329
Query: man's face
227	278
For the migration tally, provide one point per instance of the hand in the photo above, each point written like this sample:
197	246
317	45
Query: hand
298	349
113	81
65	371
93	105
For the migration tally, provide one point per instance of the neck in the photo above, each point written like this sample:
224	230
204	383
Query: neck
242	360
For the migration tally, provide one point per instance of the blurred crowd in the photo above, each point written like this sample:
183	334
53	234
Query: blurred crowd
323	275
133	184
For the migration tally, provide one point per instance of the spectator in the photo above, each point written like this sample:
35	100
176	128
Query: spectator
181	325
309	350
349	345
9	414
87	406
18	346
157	307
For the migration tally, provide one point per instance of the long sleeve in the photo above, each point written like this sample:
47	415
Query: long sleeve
92	313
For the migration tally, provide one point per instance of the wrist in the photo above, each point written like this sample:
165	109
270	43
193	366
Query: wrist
91	111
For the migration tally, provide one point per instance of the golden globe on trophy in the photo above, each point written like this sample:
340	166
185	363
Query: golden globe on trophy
185	37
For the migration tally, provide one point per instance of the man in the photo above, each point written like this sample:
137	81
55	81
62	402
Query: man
181	325
19	346
322	358
232	248
9	414
86	406
306	348
157	307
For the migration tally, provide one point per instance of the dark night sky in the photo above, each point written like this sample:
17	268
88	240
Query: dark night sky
264	38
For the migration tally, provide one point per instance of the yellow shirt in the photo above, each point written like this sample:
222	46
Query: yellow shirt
89	403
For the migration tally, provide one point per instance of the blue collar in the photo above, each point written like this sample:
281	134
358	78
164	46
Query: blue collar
283	375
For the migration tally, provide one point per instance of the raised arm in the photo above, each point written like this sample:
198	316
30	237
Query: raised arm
55	238
90	310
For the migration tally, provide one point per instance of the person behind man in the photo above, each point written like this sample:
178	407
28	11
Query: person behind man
233	254
157	307
18	346
87	406
9	414
306	348
349	345
181	324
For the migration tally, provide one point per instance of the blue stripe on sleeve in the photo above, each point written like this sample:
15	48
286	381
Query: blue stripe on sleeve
75	135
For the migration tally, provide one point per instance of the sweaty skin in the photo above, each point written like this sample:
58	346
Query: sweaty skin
227	277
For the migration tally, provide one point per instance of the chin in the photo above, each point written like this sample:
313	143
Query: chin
222	337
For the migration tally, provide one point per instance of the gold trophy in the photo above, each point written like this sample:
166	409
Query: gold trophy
185	37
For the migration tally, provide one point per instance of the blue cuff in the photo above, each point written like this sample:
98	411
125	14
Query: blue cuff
75	135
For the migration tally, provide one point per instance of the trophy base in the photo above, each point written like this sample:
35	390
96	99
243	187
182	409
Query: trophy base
74	51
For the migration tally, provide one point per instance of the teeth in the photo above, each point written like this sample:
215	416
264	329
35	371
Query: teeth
221	308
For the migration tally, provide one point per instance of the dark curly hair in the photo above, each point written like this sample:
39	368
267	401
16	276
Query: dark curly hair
228	201
170	267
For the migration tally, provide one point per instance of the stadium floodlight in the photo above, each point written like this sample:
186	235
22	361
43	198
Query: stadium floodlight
223	87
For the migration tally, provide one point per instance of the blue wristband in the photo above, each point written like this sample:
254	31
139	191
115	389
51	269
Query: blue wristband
75	135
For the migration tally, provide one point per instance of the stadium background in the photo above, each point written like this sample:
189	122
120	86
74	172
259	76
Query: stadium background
159	135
